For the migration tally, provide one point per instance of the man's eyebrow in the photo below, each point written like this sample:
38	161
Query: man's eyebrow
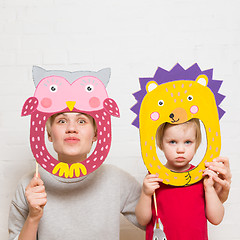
61	114
78	114
82	114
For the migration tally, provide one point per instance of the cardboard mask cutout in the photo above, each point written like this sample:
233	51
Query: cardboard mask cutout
158	233
62	91
176	97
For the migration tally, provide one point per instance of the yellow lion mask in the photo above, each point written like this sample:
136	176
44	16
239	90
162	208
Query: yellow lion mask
176	97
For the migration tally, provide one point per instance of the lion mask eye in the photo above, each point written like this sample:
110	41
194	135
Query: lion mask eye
190	98
160	103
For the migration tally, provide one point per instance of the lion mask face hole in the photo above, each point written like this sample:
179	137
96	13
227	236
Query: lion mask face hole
200	153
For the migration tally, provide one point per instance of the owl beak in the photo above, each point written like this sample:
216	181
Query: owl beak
70	105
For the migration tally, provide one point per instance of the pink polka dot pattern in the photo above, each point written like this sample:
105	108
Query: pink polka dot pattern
29	106
111	107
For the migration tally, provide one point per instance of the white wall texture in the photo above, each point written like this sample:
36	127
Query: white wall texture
133	37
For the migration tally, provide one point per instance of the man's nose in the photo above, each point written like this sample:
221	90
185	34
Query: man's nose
71	127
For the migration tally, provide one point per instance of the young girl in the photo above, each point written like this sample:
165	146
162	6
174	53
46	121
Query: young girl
183	211
81	208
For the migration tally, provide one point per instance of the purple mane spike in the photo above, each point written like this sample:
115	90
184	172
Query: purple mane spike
162	76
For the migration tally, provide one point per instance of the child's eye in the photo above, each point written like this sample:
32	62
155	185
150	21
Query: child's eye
172	142
188	142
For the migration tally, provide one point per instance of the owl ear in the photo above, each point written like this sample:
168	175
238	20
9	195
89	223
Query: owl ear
38	74
104	75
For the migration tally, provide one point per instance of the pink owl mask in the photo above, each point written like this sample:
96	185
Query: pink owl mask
62	91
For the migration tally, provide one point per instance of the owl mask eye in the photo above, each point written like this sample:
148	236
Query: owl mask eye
190	98
53	88
89	88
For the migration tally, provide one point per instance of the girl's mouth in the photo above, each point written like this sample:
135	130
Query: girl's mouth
180	159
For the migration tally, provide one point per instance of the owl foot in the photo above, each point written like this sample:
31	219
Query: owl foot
64	169
76	167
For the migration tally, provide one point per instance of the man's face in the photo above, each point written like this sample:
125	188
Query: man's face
72	135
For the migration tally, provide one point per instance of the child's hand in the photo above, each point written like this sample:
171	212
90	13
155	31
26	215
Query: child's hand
209	176
36	197
150	184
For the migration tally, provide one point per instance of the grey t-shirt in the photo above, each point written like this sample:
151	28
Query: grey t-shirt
81	208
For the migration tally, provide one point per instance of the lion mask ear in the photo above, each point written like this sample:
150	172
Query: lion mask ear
151	86
202	79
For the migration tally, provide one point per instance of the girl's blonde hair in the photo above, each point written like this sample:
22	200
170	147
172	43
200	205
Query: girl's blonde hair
51	119
161	129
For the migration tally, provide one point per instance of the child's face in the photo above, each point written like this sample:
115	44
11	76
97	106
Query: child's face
179	146
72	135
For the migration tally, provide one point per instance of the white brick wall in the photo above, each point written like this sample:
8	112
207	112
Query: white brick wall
133	37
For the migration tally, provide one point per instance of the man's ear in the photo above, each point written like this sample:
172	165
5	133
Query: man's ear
49	137
95	137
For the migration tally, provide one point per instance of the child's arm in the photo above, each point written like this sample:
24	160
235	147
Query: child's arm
214	206
37	199
144	207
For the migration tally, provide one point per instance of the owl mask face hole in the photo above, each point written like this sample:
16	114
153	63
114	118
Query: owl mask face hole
95	153
62	119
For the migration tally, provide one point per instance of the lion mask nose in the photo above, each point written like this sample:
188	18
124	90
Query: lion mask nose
178	115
